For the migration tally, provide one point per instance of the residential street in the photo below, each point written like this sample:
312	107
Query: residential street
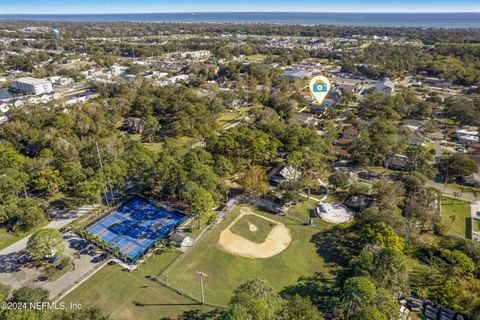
465	196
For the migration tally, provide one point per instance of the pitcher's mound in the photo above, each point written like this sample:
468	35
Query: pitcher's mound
276	241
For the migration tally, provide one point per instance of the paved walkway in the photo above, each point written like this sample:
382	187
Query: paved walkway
475	207
323	198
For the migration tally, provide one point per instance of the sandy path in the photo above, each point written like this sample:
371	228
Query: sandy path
276	241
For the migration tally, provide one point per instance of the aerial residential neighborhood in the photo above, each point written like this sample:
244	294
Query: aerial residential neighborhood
186	169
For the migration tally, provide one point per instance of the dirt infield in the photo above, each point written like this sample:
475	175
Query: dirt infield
276	241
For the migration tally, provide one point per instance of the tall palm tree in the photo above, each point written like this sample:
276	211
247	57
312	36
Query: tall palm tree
453	218
116	251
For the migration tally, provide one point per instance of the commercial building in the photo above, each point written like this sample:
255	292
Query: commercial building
32	85
297	74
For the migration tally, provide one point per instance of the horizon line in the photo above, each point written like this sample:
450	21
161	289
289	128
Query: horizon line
193	12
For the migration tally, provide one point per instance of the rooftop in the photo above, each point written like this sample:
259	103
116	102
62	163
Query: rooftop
31	80
297	73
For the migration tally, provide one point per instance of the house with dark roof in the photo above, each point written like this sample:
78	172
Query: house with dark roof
340	147
396	162
282	173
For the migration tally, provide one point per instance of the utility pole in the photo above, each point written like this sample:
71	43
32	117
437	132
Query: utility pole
103	173
202	275
446	176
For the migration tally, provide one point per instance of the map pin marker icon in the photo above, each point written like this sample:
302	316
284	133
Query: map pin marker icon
319	86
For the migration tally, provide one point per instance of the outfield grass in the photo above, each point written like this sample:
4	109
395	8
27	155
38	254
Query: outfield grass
461	210
263	228
118	292
225	271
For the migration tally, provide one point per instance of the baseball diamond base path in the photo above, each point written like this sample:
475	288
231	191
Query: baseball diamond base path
276	241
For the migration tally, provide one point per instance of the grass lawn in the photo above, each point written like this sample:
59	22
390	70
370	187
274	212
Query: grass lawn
153	146
256	57
476	225
382	170
118	293
242	228
54	273
225	271
461	210
227	117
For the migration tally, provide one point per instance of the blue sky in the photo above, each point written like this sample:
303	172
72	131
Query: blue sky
129	6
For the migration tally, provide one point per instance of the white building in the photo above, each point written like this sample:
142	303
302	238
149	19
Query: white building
194	55
32	85
385	86
467	135
60	81
181	239
117	70
174	79
201	54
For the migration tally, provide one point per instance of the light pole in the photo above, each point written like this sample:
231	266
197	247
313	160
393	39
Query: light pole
202	275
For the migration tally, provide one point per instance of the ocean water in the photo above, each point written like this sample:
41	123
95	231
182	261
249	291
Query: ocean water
424	20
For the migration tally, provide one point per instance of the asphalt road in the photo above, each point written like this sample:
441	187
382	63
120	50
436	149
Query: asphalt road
465	196
55	224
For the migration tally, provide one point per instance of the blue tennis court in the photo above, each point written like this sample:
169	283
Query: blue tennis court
136	226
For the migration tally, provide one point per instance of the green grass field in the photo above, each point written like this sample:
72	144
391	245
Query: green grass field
476	225
460	210
225	271
263	228
256	57
118	292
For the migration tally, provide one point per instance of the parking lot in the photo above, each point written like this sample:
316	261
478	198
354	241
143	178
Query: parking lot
17	270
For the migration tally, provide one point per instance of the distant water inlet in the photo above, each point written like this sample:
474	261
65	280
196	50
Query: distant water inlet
422	20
